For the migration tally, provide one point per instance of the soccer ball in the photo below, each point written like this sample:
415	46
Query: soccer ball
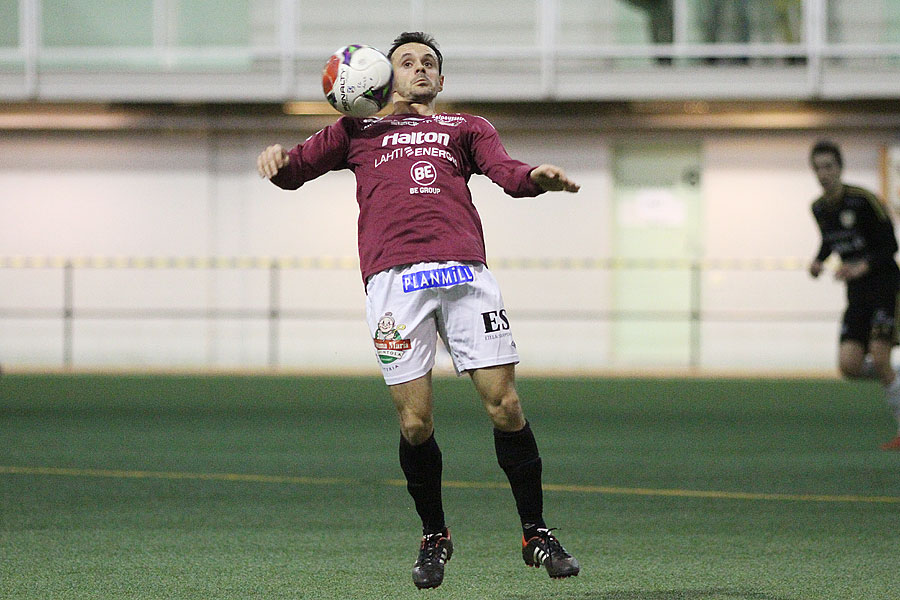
357	80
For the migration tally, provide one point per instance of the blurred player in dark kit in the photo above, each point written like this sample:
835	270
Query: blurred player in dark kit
855	225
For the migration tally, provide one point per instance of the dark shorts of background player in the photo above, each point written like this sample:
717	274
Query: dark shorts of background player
871	312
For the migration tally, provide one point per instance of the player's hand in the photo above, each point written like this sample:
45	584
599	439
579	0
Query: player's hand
271	160
551	178
815	268
852	270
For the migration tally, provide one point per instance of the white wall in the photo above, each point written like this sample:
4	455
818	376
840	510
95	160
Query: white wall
195	195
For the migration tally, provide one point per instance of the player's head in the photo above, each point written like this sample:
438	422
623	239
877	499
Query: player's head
418	37
417	64
826	147
827	163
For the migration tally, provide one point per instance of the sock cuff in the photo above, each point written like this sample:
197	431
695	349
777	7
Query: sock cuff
422	460
404	443
525	431
516	448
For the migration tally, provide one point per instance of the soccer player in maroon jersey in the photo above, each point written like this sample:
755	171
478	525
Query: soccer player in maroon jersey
422	257
855	225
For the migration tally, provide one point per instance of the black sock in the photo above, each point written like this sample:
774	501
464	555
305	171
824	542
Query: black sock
529	530
422	466
517	454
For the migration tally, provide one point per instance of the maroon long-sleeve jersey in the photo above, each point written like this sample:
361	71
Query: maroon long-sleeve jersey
412	174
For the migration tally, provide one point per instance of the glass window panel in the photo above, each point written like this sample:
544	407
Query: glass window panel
788	21
97	23
265	23
719	21
480	23
331	25
891	22
615	21
585	23
9	24
855	22
864	22
643	21
696	26
204	23
739	21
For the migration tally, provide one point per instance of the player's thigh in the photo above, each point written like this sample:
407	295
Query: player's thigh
475	324
856	324
883	334
850	357
494	383
403	327
883	322
881	355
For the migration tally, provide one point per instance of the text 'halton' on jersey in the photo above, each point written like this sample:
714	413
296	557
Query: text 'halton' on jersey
415	138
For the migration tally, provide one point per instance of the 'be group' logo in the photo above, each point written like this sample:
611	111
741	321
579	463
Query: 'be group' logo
423	173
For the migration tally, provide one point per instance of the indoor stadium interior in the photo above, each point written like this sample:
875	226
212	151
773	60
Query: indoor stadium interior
190	405
130	131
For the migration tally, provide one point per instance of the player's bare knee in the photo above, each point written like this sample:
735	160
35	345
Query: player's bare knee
851	371
884	372
506	412
415	429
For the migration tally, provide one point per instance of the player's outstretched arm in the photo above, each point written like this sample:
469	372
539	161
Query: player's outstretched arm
553	179
271	160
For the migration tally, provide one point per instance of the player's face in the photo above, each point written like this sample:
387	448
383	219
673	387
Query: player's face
828	171
416	75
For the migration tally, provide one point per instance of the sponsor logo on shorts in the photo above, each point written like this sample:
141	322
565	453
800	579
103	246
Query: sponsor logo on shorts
443	277
389	346
496	324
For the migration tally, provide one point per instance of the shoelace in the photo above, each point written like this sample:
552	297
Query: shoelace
429	550
553	545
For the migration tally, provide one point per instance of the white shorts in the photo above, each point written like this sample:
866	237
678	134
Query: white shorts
408	306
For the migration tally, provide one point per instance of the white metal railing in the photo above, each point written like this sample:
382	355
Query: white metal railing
279	308
279	66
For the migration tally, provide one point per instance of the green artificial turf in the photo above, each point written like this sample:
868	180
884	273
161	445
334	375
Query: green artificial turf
288	487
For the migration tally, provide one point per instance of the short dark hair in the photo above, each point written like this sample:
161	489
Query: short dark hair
827	147
418	37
